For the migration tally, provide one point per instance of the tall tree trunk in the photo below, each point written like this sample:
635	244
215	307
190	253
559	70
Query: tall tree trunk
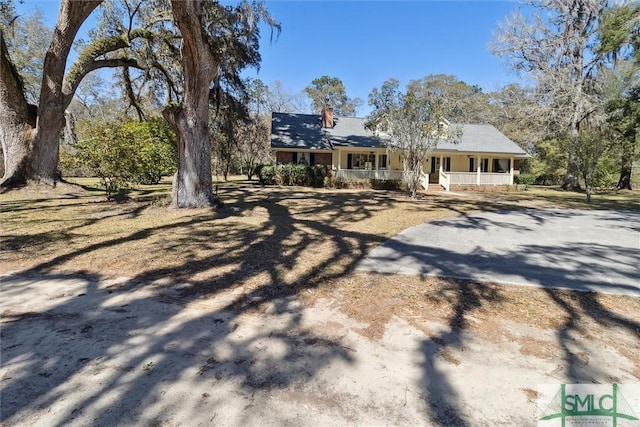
192	186
31	145
624	183
571	176
55	95
17	122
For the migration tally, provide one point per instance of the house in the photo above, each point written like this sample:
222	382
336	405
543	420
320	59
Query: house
484	156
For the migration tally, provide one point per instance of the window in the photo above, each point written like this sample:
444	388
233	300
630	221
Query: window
435	164
361	160
484	165
501	165
382	161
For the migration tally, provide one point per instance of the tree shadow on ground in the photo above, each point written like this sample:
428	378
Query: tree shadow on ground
589	262
137	337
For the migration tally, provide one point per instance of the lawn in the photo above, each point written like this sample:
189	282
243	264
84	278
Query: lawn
283	253
269	242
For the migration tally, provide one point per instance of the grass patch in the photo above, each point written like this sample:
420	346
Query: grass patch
283	242
286	235
553	197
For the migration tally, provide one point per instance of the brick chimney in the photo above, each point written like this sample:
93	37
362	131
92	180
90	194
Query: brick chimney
327	117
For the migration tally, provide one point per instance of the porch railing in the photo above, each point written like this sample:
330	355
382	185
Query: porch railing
495	178
445	181
472	178
354	174
424	180
383	175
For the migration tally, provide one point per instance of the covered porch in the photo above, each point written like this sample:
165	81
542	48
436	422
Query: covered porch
370	164
450	170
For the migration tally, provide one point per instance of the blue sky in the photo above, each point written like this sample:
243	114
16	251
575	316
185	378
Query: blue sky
366	42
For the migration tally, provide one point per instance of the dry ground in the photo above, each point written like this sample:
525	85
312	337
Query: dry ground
274	244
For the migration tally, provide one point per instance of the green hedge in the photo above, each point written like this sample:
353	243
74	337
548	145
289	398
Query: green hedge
525	178
292	174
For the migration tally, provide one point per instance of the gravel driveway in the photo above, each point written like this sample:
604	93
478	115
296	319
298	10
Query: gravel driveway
586	250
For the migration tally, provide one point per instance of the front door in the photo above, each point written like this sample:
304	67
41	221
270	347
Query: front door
434	176
435	164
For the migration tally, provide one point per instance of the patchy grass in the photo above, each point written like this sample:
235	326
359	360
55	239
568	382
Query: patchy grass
282	242
544	196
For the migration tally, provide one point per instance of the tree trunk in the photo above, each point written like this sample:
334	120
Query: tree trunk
17	121
624	183
571	177
31	145
192	186
55	96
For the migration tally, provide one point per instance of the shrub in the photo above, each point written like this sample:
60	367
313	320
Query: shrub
267	174
122	154
525	178
317	175
292	174
381	184
156	145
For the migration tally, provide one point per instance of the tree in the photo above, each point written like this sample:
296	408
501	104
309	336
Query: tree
467	104
620	40
515	111
413	122
253	143
623	117
31	134
553	49
587	150
280	100
328	91
214	43
619	32
27	40
192	185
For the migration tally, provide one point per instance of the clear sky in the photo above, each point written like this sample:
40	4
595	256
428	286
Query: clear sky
366	42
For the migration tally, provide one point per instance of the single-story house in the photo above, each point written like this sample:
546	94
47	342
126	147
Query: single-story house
483	156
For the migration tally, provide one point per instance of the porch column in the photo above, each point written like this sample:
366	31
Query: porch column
478	169
511	171
441	160
339	159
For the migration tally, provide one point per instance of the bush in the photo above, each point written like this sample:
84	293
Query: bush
318	175
524	178
382	184
122	154
267	174
292	174
157	154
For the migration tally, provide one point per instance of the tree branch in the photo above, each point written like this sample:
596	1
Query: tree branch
101	63
95	50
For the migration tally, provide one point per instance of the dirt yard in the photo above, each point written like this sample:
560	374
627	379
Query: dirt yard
132	314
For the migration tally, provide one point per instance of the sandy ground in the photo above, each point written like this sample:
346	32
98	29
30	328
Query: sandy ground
82	352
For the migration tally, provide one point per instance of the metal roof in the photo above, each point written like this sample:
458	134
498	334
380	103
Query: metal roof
481	139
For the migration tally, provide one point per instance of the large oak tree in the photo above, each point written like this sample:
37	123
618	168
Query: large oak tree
553	48
207	48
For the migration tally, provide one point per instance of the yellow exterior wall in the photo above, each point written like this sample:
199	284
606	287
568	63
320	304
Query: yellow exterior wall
459	162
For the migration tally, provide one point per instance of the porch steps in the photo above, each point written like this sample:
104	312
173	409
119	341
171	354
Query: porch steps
435	188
